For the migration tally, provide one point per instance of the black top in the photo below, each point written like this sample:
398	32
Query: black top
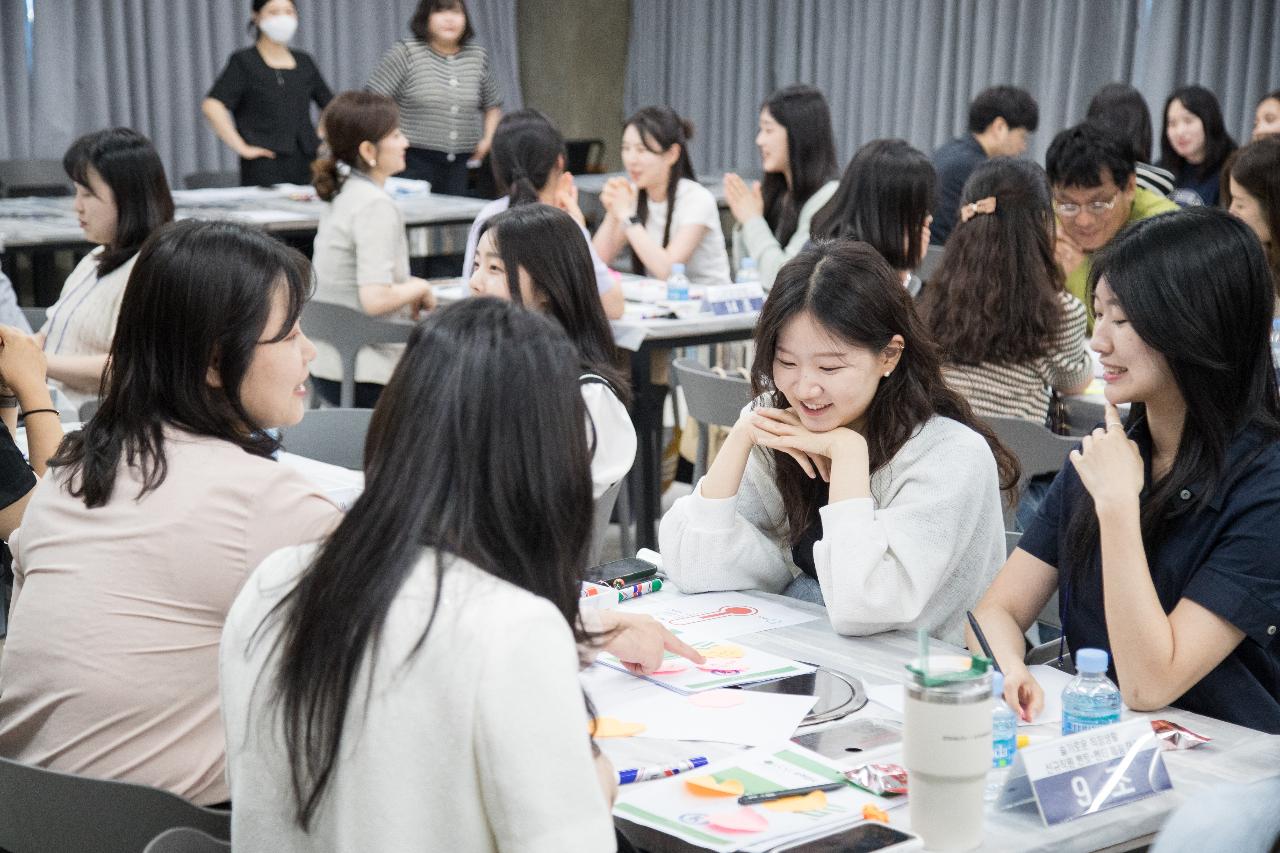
953	162
1192	190
1221	554
272	106
802	551
16	478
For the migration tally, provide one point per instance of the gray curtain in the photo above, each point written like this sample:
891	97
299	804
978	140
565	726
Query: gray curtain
148	64
908	68
15	84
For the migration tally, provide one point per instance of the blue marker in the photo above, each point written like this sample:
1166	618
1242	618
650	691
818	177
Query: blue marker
646	774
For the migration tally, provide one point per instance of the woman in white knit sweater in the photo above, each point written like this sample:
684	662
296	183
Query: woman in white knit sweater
857	478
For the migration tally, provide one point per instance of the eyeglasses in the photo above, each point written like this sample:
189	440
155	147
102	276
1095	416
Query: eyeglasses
1070	210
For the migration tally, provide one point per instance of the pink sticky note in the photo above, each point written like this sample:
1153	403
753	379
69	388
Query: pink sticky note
745	819
718	699
671	666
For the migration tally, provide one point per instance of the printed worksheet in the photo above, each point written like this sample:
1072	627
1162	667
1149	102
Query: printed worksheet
717	614
727	664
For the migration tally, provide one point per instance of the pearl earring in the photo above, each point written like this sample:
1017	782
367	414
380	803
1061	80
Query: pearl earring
372	163
886	376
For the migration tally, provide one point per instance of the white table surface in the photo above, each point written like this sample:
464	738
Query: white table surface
1236	755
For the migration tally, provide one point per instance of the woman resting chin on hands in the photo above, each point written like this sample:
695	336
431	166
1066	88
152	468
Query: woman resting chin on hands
1159	535
857	478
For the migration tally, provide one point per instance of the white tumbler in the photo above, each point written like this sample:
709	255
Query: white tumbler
947	750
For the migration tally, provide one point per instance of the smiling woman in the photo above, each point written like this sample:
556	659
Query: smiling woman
133	548
857	477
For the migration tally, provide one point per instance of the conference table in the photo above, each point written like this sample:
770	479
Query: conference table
1235	755
37	226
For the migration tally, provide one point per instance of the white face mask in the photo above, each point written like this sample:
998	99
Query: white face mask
279	28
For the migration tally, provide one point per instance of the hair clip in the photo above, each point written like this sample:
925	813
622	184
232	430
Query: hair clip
982	205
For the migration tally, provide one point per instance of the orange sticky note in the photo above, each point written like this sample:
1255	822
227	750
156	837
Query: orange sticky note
722	650
709	786
612	727
870	812
810	802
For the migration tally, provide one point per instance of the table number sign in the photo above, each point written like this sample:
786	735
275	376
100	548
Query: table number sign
1088	772
732	298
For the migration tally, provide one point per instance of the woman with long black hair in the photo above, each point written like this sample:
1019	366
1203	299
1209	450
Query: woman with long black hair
798	152
1159	536
857	478
530	255
1194	144
373	695
134	546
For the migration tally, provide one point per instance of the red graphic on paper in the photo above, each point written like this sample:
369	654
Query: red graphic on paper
730	610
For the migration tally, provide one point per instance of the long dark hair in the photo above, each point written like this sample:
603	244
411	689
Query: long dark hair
128	163
199	295
527	150
999	271
501	480
548	245
351	118
848	289
1122	108
1256	167
884	197
811	156
1217	142
1195	286
659	129
420	22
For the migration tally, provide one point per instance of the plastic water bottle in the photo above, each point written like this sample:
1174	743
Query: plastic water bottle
1090	699
747	272
1004	738
677	284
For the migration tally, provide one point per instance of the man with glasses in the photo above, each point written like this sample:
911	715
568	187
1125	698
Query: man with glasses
1095	195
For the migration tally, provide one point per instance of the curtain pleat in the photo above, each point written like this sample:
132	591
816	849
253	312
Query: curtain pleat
909	68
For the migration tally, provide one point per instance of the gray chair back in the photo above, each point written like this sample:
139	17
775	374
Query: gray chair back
44	811
88	409
184	839
33	177
35	317
335	436
1049	615
712	400
1039	451
208	180
348	331
600	523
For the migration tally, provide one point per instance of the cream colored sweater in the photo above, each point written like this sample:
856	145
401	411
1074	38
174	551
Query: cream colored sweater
916	554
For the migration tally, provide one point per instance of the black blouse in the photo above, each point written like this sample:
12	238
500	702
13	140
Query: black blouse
272	106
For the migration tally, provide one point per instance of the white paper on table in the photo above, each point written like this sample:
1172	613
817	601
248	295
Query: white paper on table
748	666
668	806
716	615
1052	681
263	217
761	718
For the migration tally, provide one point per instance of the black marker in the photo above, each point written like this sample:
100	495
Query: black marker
770	796
982	639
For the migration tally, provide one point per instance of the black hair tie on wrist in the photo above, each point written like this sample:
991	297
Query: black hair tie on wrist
38	411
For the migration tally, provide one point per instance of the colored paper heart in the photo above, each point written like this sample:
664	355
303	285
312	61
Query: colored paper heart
744	819
722	650
718	699
724	666
810	802
612	727
708	786
671	666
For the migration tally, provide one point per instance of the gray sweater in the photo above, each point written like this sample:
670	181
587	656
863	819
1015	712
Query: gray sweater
916	554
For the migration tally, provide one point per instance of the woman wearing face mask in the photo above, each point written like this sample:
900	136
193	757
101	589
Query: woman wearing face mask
857	479
260	105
